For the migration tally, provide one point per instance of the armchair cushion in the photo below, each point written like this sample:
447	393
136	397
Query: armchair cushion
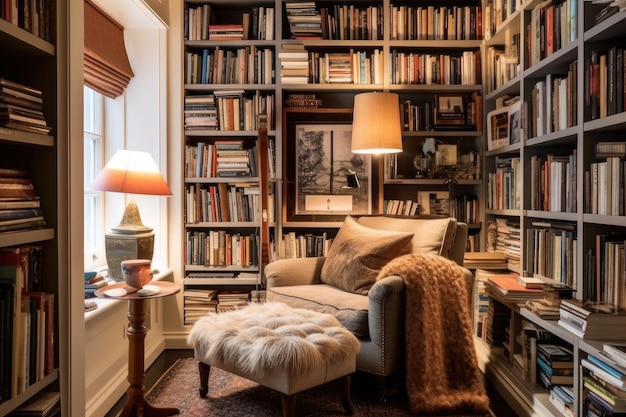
350	309
358	253
431	234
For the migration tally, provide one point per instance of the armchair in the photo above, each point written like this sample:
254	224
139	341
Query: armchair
377	317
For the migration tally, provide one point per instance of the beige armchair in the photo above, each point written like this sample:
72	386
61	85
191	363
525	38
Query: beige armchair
376	318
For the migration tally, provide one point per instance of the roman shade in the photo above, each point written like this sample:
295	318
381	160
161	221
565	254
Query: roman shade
107	69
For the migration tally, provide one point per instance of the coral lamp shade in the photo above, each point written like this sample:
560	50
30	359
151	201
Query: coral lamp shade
376	125
131	172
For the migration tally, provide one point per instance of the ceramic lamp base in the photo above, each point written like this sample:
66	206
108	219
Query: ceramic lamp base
121	247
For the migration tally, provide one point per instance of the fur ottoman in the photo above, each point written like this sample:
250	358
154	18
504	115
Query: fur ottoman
283	348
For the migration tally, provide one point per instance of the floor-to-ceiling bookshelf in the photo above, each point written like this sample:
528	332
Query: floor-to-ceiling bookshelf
559	135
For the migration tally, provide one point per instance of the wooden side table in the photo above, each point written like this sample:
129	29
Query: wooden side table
136	406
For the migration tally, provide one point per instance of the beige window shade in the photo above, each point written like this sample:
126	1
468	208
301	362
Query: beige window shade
107	69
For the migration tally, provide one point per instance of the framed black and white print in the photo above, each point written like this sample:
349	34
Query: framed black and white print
328	179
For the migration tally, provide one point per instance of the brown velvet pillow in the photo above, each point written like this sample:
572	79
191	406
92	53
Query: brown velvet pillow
358	253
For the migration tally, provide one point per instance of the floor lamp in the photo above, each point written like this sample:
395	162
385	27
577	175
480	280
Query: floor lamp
131	172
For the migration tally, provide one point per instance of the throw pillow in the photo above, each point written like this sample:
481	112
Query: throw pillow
358	253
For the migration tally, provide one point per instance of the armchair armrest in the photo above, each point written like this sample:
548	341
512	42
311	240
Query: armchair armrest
386	311
294	271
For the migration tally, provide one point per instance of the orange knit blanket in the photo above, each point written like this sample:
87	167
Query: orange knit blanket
442	374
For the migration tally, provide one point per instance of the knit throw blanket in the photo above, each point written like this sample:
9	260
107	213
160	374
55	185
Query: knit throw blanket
442	374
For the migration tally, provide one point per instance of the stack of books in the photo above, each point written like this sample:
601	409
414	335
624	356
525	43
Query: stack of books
21	108
508	288
294	65
337	68
592	320
604	382
230	300
555	365
230	32
233	159
305	22
303	100
485	260
19	204
198	303
200	112
93	281
43	404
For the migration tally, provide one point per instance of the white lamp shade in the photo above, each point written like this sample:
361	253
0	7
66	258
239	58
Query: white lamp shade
376	126
131	172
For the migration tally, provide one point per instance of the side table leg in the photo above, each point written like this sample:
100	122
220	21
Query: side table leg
136	406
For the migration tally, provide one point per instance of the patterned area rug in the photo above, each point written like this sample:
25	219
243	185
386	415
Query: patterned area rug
232	396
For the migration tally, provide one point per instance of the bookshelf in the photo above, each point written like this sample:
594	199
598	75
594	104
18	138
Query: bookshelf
564	130
32	59
312	58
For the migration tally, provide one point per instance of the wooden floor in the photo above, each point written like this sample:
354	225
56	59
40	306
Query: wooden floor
499	408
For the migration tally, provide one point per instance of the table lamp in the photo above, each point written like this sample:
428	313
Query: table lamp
131	172
376	126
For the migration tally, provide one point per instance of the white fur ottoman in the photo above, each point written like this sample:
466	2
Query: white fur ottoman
277	346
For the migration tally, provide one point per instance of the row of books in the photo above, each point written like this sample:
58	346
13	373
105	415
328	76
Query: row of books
552	105
503	63
440	69
551	248
221	248
206	160
21	108
223	202
553	182
603	278
20	206
247	65
32	16
293	245
436	23
604	382
199	24
504	185
496	12
604	182
552	26
28	331
340	22
228	110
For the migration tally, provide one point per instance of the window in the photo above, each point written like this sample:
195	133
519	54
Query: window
93	163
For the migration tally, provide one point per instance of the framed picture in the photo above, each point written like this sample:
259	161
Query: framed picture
515	122
498	128
323	177
450	109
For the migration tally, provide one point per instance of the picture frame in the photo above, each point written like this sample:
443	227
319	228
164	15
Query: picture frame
515	122
317	161
498	128
450	109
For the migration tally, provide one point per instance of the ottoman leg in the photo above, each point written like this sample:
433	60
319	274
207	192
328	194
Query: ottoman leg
204	370
345	394
289	405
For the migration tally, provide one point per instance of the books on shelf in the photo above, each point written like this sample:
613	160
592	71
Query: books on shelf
604	370
484	260
592	320
43	404
508	288
21	108
616	352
